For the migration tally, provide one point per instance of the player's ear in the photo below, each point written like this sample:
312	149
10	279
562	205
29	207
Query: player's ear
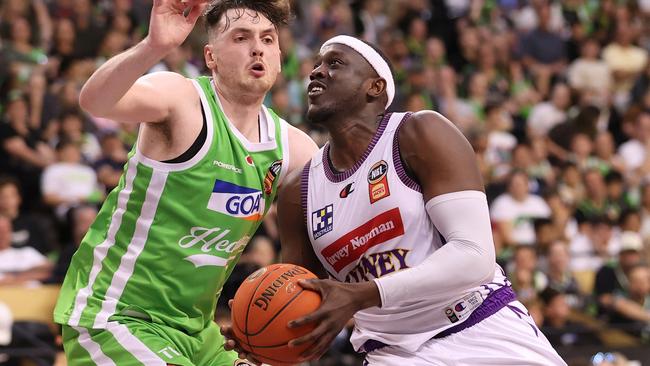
209	57
377	88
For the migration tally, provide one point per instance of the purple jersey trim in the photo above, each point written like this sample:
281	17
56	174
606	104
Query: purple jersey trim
304	189
397	159
337	177
494	302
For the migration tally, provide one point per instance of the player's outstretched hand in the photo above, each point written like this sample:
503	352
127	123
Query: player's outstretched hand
232	345
172	21
339	303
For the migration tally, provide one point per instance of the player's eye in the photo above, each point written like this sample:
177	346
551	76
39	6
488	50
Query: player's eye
268	40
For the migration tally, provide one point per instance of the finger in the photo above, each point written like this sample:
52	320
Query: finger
226	331
310	284
309	318
230	303
195	13
318	349
311	337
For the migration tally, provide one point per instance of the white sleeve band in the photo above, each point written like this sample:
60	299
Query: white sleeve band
467	259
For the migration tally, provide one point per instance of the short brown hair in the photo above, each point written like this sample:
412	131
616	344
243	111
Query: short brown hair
277	11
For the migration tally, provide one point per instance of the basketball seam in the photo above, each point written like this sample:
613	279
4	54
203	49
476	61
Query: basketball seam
248	307
277	313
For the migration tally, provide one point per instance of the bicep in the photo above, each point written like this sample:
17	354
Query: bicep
153	98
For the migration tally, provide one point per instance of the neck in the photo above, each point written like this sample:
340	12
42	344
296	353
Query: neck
350	138
242	111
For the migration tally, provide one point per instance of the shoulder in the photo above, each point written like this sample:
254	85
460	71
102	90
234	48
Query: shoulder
432	131
290	189
301	148
169	83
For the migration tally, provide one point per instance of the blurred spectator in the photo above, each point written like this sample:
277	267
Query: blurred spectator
589	74
612	283
625	60
81	219
546	115
596	202
634	152
514	211
605	152
561	136
23	151
560	277
29	229
593	245
558	328
178	61
68	182
20	266
72	130
543	50
526	278
110	164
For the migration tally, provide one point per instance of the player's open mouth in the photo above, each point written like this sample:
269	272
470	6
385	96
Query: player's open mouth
316	88
257	69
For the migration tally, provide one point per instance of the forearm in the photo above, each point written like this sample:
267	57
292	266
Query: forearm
467	259
114	78
631	309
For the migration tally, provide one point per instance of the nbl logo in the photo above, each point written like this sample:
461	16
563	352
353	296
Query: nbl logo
237	201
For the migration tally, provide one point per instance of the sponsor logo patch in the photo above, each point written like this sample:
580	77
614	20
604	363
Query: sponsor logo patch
347	190
462	308
322	221
378	181
237	201
249	160
351	246
226	166
271	175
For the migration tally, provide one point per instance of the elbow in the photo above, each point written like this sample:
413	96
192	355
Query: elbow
86	102
482	262
89	103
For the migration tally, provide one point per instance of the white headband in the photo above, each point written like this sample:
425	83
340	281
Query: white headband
373	58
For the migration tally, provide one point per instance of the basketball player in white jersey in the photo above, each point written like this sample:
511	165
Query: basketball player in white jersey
392	210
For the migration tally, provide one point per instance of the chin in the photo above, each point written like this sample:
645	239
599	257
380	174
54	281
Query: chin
318	114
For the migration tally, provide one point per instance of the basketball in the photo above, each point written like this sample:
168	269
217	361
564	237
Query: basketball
263	306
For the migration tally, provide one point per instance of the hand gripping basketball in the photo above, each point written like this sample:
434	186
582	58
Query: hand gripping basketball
261	310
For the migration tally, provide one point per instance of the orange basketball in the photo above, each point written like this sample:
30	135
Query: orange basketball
263	305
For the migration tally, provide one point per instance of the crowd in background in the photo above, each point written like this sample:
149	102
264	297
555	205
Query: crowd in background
552	95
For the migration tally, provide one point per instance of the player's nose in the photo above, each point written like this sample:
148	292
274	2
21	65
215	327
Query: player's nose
318	72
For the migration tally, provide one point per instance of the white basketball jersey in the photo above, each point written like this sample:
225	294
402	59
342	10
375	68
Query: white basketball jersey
369	222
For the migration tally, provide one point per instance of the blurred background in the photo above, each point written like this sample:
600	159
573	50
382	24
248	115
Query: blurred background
552	95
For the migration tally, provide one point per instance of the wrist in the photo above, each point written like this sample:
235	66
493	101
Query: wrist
156	51
368	295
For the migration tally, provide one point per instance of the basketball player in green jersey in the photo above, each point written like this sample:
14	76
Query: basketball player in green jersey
143	285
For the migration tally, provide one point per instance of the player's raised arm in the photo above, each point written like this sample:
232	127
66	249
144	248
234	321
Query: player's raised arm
117	90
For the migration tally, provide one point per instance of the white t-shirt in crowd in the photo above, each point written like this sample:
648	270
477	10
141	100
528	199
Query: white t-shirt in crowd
20	259
520	214
633	154
543	117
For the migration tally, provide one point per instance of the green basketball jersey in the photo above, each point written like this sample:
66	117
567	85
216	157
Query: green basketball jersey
168	236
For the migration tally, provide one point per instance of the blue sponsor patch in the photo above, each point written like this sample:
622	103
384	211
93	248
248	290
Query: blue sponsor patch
237	201
322	221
